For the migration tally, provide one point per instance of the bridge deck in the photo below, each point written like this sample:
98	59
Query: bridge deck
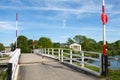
32	68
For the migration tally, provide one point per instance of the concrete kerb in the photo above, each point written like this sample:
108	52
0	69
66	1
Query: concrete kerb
17	71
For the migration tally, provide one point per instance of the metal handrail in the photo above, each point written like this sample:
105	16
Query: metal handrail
12	65
67	56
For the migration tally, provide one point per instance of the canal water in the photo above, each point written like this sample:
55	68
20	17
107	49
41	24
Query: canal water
114	64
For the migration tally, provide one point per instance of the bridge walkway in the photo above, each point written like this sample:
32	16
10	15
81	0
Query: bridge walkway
32	68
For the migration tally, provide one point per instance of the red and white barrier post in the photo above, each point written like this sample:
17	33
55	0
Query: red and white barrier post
16	28
104	19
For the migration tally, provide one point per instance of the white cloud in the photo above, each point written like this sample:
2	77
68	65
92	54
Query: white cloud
7	26
7	42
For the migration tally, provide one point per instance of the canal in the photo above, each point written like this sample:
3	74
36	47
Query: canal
114	64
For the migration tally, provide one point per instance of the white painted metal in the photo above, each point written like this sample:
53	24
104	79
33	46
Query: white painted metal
48	51
66	56
62	55
103	2
83	59
59	54
53	52
14	60
70	56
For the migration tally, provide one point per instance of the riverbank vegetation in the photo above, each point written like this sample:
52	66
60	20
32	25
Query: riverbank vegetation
3	75
87	44
114	74
2	47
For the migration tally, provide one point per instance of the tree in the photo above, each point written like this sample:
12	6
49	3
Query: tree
45	42
79	39
92	41
30	45
56	45
117	44
70	41
2	47
22	44
37	46
12	46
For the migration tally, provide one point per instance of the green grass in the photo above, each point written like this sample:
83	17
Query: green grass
3	75
92	68
114	75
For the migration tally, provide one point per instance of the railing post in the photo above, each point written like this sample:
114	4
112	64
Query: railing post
61	55
82	59
52	52
70	56
9	71
48	50
41	51
100	58
45	50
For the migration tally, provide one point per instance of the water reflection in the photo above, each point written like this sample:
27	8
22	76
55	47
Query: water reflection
115	64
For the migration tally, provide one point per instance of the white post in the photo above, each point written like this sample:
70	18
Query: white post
100	58
52	52
16	28
59	54
42	51
45	50
48	50
104	57
62	55
82	59
70	56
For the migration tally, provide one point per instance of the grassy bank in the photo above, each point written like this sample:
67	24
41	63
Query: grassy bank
114	74
3	75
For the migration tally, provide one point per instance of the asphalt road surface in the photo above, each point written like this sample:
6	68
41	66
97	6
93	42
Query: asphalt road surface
33	67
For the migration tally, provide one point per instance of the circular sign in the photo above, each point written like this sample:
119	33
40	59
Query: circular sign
104	18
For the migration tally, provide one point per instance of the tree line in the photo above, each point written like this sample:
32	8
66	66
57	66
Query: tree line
87	44
26	45
2	47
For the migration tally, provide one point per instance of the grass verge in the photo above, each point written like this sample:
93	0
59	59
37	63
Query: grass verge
3	75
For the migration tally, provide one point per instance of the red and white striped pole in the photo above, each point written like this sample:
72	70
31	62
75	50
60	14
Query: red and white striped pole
16	28
104	29
104	19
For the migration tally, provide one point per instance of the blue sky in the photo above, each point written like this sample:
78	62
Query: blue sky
58	19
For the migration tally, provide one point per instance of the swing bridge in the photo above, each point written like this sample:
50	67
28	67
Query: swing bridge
54	64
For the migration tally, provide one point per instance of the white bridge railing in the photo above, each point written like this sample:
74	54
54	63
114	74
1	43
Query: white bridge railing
12	65
81	59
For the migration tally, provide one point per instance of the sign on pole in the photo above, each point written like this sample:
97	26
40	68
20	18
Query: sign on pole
104	18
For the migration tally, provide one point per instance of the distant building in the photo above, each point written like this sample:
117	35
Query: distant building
62	45
75	47
7	49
